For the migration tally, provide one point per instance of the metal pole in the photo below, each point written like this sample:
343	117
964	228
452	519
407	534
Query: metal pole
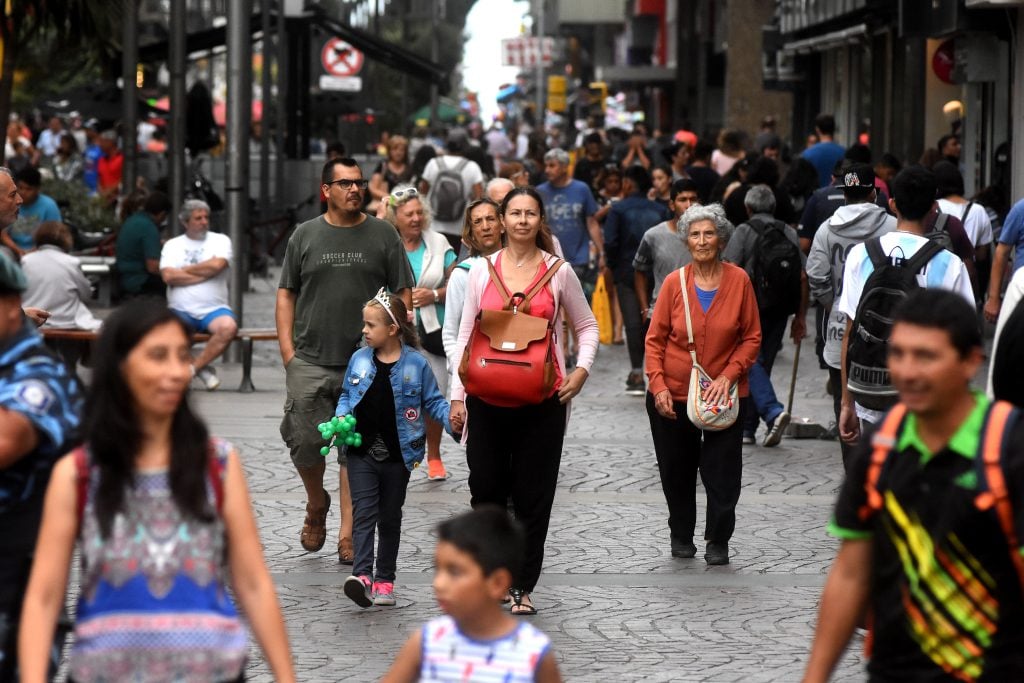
129	97
541	85
436	9
279	111
267	52
239	109
176	65
1017	132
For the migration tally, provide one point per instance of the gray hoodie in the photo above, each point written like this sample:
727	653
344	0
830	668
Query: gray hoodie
849	225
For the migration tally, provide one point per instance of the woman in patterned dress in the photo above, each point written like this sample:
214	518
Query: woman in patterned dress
162	517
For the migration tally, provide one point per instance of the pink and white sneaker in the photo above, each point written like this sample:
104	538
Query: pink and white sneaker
383	593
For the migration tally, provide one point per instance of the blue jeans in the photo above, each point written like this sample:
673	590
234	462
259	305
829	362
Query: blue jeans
767	406
378	494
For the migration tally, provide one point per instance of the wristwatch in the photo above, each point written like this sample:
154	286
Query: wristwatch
437	297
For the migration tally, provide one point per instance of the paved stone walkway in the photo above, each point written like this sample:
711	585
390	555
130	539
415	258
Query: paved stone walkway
617	606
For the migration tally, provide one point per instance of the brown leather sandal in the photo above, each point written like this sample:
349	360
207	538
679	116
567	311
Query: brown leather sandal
346	554
314	529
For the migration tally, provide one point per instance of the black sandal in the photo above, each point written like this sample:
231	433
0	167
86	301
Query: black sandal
524	610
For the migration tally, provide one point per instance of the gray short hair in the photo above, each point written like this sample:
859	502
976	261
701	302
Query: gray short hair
7	172
760	199
498	182
557	154
712	212
190	205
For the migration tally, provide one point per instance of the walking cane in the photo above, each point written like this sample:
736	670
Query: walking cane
792	380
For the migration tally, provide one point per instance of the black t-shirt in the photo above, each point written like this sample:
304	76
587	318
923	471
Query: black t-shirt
945	596
375	414
705	179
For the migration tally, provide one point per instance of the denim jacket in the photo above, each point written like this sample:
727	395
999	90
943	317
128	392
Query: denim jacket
415	391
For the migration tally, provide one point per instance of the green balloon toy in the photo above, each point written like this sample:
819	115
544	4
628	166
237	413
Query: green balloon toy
339	431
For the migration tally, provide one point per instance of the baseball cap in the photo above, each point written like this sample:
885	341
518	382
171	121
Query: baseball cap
12	279
857	177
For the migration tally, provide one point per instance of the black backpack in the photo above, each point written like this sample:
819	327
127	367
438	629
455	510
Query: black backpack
448	192
867	374
940	234
777	267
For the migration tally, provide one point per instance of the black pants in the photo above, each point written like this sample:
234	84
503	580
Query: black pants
632	321
682	450
516	452
378	494
836	378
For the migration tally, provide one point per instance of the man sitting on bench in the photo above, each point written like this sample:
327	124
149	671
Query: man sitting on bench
195	268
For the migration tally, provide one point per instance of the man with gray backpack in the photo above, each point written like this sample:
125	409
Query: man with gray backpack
879	273
450	181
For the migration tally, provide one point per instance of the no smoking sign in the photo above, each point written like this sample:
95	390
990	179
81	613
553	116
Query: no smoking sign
340	58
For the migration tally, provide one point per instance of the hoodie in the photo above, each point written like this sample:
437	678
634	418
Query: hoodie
849	225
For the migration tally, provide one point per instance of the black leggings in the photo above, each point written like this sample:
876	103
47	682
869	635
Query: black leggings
516	452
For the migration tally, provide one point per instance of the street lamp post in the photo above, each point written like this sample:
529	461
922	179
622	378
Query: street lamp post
239	109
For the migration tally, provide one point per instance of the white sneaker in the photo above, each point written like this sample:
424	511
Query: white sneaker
208	377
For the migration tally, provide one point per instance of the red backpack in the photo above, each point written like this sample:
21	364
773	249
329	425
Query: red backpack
510	358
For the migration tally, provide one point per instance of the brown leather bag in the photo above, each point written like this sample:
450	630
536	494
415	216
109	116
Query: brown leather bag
510	358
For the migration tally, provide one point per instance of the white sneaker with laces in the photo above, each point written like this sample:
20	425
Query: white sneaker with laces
208	377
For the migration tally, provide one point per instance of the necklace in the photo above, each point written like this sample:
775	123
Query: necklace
526	260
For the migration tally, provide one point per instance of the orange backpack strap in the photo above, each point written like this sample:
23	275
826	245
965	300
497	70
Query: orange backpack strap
540	283
506	297
1001	417
82	471
883	442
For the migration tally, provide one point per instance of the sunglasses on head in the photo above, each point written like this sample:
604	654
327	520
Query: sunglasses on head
403	195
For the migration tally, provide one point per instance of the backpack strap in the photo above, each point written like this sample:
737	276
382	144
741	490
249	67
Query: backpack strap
924	255
506	296
940	222
462	164
82	472
883	443
1001	417
441	165
541	282
875	252
215	473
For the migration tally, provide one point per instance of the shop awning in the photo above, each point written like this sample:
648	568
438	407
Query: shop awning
827	41
373	47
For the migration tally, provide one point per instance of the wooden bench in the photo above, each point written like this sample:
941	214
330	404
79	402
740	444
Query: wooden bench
244	335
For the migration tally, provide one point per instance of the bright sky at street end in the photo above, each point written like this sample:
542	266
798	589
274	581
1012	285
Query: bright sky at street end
488	22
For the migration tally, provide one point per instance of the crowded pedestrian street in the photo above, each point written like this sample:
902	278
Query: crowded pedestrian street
617	606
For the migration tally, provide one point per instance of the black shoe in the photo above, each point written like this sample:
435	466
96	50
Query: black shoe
635	384
683	549
717	553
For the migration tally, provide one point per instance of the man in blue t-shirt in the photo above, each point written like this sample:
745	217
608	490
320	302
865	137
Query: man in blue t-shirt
826	154
36	209
1011	238
570	208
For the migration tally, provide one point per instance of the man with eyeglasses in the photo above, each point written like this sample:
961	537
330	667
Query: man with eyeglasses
333	265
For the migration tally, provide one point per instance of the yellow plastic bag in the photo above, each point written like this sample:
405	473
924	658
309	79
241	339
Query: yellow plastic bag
602	311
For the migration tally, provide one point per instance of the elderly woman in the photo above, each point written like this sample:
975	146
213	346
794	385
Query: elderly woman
514	448
483	234
432	260
726	336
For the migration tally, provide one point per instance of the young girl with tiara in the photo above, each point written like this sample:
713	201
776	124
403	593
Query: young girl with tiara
388	385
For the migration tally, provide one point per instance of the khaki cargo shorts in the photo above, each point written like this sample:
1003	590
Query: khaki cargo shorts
312	395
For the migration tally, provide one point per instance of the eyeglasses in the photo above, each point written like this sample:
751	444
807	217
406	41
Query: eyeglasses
346	184
403	195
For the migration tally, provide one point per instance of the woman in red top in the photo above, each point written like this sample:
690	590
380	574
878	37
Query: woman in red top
727	336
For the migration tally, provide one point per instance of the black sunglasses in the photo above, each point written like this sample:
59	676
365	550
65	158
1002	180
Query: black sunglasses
345	183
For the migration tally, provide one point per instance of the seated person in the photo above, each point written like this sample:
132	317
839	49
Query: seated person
195	268
36	209
56	284
138	249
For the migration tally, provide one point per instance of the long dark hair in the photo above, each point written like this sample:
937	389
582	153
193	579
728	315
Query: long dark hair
112	429
544	240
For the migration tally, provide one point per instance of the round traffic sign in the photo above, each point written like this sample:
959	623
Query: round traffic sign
340	58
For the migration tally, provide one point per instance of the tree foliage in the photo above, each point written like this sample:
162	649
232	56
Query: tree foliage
85	28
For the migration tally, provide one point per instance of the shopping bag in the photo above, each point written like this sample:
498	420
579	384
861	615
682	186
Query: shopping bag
602	311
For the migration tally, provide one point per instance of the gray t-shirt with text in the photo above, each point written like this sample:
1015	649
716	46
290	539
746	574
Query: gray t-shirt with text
334	271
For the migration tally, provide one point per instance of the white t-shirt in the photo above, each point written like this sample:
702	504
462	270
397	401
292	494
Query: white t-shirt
199	299
471	175
944	271
977	224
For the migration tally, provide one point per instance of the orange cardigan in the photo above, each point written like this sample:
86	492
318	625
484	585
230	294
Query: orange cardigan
727	338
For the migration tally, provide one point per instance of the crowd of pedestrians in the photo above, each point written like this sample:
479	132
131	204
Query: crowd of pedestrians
449	287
